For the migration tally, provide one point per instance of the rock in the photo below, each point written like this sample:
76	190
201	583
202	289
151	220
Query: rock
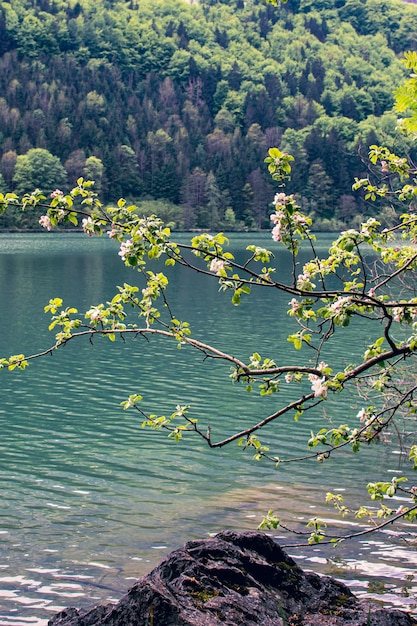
234	579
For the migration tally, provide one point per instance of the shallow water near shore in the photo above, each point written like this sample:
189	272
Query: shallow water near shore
91	501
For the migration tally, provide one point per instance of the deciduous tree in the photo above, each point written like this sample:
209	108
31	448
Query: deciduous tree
38	168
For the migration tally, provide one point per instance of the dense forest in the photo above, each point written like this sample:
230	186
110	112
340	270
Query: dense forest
175	103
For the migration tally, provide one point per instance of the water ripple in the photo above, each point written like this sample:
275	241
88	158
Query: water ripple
90	500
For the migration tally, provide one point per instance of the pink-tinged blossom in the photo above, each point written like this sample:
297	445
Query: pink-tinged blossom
339	304
371	292
362	416
88	226
125	249
45	222
322	366
288	378
299	219
57	193
397	314
294	305
276	233
113	233
280	198
401	510
94	314
384	167
304	280
216	266
319	386
277	217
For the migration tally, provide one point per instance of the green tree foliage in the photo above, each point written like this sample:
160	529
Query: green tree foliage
39	169
93	170
406	95
166	85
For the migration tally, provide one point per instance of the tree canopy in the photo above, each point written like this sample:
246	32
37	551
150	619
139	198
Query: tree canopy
166	98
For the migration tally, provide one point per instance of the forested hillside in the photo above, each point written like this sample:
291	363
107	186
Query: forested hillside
164	99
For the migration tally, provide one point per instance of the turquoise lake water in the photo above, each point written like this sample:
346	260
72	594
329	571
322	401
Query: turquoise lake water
91	501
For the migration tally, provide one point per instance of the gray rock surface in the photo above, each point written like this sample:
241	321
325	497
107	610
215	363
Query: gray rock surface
234	579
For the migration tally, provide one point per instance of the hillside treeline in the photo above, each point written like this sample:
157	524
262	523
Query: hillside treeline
179	102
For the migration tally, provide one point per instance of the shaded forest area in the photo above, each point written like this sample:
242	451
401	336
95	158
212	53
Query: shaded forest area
176	103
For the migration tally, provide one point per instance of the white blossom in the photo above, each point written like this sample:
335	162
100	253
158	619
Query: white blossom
294	305
276	233
299	219
45	222
362	416
94	314
339	304
318	385
216	266
398	314
88	226
125	248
